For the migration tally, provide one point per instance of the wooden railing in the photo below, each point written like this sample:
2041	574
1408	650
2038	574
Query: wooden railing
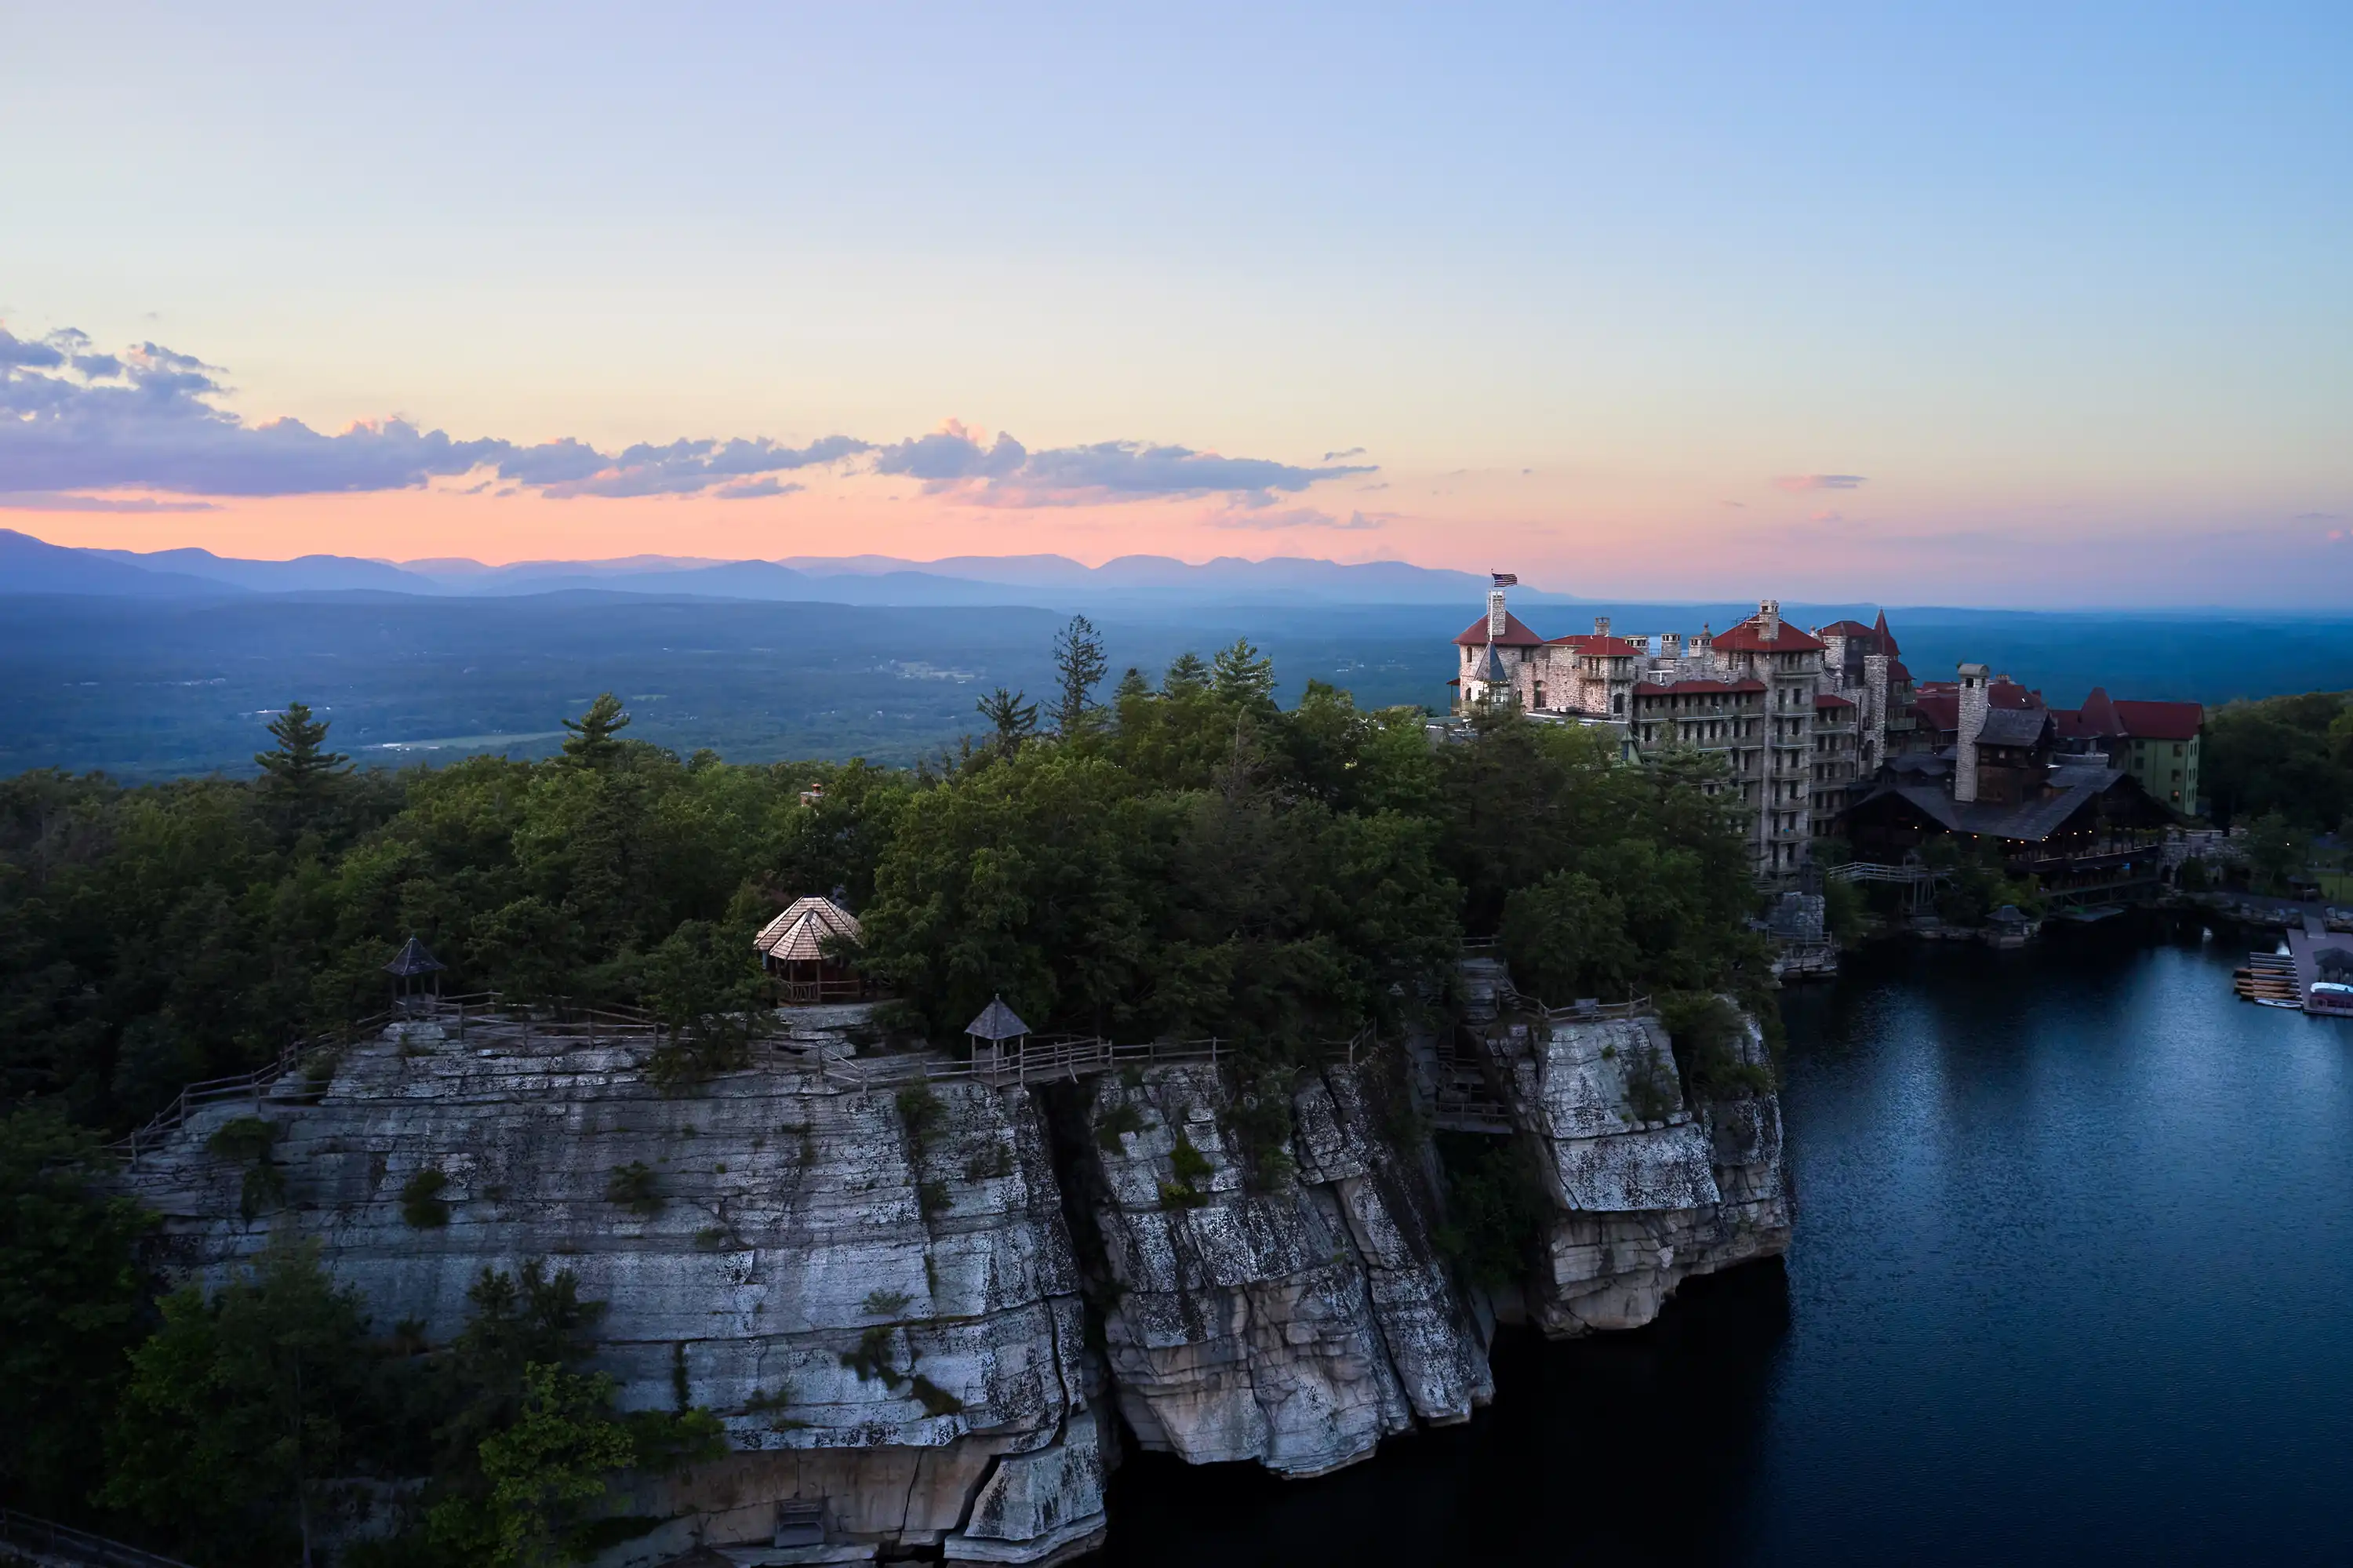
54	1540
559	1023
1043	1060
802	993
1632	1007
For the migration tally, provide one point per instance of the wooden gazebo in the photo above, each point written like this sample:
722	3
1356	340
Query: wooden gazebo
995	1033
413	971
793	949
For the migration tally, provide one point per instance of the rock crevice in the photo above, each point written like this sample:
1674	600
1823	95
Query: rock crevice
937	1310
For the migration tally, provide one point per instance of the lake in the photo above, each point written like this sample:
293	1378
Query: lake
2072	1278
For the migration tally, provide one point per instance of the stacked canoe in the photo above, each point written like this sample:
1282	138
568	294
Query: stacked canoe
2268	978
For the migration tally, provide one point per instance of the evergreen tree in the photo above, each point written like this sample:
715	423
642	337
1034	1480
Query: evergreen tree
301	766
1187	676
1244	676
72	1298
1079	664
1131	686
237	1405
591	742
1010	719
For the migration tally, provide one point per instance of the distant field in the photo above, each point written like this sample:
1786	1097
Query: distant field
147	689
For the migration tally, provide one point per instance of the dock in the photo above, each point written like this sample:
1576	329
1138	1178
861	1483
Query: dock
2285	979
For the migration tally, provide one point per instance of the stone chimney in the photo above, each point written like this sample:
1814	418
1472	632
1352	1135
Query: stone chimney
1495	614
1972	725
1600	626
1671	645
1769	619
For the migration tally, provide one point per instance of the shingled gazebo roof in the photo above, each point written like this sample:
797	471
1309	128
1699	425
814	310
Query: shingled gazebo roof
997	1022
797	935
413	961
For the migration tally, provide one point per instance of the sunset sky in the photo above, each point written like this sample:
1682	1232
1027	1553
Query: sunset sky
2033	304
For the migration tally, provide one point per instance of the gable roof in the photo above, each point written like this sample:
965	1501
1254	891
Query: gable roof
1748	637
1600	647
2008	693
2099	713
2160	721
2013	727
1896	671
1938	710
2029	822
797	935
1516	634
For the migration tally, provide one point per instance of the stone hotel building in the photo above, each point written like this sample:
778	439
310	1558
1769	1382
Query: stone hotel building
1806	721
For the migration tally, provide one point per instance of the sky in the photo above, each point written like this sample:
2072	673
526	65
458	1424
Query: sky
2040	305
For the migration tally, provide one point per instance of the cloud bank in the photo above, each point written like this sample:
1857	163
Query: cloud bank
74	419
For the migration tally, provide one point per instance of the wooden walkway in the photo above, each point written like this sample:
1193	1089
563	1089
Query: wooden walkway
63	1543
1061	1058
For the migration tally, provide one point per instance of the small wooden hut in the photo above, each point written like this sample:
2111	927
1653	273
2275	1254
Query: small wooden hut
997	1037
793	947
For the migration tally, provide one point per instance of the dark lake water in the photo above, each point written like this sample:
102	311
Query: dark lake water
2072	1280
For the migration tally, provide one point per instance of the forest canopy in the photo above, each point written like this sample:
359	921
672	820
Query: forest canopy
1175	856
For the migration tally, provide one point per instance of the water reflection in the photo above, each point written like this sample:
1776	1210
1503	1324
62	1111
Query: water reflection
2071	1281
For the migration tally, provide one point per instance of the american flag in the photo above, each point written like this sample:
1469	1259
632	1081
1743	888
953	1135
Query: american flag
1505	579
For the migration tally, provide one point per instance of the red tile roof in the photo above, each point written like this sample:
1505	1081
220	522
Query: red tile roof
2010	694
1831	700
1748	637
1846	628
1938	710
2160	721
1515	635
1898	674
2100	715
1885	636
1599	646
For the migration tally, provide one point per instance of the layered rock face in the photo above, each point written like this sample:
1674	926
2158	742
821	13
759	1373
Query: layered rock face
875	1291
888	1291
1647	1190
1296	1326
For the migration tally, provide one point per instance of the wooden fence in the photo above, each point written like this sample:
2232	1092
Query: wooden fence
1047	1060
31	1534
555	1022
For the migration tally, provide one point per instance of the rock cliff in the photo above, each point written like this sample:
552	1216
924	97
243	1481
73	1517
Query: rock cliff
932	1309
1296	1325
1647	1190
874	1291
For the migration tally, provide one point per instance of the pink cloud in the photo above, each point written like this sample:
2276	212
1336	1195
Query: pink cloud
1797	482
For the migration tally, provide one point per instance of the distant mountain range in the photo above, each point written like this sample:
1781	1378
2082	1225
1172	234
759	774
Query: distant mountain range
28	565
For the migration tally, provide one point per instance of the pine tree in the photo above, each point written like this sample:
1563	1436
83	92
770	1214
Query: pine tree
591	742
1079	659
301	765
1132	684
1012	720
1244	676
1186	676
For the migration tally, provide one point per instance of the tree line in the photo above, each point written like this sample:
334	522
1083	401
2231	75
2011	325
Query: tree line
1176	855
